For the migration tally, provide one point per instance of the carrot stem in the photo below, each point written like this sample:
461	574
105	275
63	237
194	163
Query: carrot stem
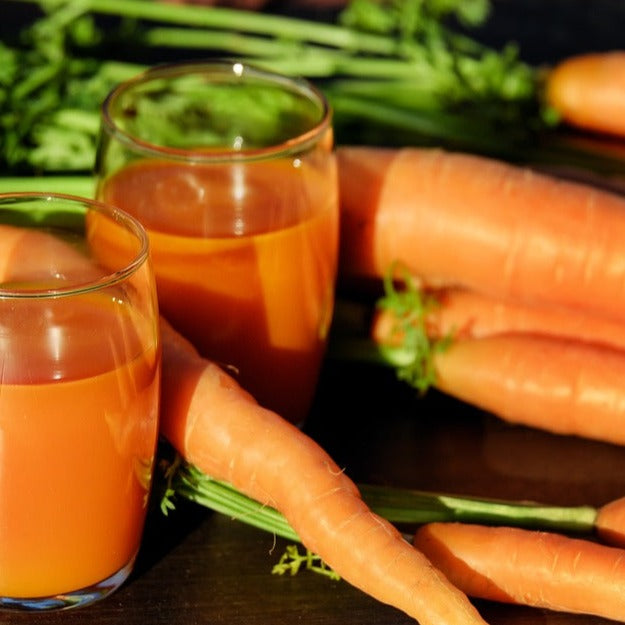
412	355
416	507
245	21
397	505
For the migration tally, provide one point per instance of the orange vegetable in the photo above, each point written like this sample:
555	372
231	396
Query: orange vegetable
463	220
463	313
221	429
35	255
610	522
528	567
588	91
558	385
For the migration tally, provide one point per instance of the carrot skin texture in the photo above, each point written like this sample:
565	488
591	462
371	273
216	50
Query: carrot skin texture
539	569
588	91
557	385
464	314
462	220
221	429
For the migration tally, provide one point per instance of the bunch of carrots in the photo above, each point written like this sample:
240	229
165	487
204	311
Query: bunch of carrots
219	428
523	278
510	296
525	275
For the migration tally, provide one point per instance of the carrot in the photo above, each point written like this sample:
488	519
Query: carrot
610	522
463	314
529	567
588	91
558	385
462	220
29	254
218	427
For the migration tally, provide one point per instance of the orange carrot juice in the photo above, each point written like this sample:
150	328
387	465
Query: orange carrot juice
245	259
79	396
78	422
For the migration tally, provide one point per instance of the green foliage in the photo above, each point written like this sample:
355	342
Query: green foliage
292	561
400	55
465	71
49	98
411	307
412	18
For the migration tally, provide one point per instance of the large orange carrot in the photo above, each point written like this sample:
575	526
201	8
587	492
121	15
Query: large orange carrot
540	569
588	91
558	385
463	313
220	428
458	219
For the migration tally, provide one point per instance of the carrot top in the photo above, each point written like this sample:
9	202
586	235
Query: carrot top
410	348
397	505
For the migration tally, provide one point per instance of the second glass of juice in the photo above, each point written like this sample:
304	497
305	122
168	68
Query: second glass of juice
232	172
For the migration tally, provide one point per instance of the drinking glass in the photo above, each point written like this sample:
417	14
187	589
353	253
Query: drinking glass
232	172
79	390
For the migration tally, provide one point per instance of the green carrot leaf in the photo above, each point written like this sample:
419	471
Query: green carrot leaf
411	307
292	561
395	71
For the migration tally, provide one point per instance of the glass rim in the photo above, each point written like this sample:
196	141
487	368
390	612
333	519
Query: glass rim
225	67
119	216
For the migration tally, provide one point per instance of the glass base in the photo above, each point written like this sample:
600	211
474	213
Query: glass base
74	599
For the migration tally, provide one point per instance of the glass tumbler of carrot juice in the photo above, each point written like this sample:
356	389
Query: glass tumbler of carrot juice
79	391
232	172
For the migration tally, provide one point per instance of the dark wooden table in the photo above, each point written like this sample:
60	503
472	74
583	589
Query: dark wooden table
199	567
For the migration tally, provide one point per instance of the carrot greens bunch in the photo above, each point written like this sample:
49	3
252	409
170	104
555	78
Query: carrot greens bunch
404	507
396	72
410	349
292	561
49	97
386	67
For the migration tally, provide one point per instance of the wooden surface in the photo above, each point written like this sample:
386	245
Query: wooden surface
198	567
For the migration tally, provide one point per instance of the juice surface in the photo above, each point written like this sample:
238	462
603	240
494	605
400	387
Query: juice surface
78	423
245	261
